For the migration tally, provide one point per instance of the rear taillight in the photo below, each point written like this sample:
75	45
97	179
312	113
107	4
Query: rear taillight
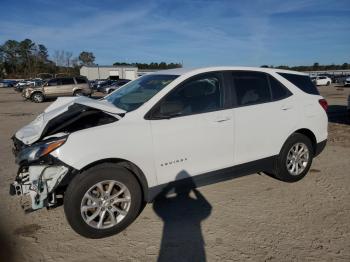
324	104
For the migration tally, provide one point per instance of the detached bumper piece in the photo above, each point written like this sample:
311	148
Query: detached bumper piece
38	182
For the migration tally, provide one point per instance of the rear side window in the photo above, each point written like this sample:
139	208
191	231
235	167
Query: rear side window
53	82
81	80
302	82
251	88
278	90
67	81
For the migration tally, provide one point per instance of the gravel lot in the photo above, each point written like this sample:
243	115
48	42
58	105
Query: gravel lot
251	218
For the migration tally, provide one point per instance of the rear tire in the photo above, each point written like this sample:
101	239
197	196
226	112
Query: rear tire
290	157
328	83
37	97
78	93
117	216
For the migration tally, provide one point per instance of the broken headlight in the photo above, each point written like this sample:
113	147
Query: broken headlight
34	152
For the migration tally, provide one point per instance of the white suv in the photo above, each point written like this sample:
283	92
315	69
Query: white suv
108	157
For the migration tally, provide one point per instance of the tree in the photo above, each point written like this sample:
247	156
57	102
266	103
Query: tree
86	58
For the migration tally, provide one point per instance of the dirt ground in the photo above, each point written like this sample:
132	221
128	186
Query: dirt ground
251	218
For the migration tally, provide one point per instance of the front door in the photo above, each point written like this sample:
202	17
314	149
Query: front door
192	132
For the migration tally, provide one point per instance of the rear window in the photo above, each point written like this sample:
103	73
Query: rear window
278	90
81	80
302	82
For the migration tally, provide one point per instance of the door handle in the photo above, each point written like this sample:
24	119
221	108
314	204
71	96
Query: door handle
286	107
222	119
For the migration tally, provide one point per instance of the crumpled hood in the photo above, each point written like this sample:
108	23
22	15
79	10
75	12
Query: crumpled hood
33	131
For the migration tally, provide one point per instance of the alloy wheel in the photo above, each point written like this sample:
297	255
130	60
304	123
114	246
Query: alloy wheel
105	204
297	159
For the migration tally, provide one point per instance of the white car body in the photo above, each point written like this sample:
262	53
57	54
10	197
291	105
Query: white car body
161	149
323	81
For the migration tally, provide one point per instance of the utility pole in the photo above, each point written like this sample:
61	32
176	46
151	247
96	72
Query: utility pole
98	70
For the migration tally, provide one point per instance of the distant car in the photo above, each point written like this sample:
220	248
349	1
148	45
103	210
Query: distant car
8	83
26	83
322	81
347	82
114	86
56	87
100	84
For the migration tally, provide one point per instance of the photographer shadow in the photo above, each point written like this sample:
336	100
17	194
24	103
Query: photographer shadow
182	213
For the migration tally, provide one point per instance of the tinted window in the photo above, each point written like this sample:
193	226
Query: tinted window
302	82
278	90
52	82
198	95
136	93
251	88
67	81
81	80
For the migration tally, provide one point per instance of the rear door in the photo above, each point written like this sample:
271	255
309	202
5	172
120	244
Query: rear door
264	115
67	86
51	87
199	136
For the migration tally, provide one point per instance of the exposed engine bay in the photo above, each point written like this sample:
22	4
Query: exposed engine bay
40	174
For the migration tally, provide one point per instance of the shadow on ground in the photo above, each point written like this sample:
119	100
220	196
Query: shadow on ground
182	213
338	114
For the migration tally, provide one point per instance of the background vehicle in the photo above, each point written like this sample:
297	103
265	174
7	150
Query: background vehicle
8	83
114	86
322	81
20	86
347	82
174	127
66	86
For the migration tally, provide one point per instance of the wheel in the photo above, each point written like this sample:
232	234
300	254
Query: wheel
37	97
295	158
78	93
110	91
328	83
102	201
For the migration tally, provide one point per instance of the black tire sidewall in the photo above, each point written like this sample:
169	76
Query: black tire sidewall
40	94
84	181
281	169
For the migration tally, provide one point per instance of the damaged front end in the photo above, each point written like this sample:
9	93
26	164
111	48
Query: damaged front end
41	175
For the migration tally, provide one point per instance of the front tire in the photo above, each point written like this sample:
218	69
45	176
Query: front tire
328	83
37	97
102	201
295	158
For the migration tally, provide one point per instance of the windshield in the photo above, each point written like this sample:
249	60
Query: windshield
134	94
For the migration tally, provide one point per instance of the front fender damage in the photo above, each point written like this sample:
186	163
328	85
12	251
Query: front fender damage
38	182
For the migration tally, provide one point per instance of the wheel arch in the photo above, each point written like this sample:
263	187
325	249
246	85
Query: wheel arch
309	134
133	168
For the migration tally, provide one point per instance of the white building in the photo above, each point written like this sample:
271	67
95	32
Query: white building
112	72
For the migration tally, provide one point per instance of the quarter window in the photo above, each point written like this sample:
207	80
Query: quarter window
198	95
278	90
251	88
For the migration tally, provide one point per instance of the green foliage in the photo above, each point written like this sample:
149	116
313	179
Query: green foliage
86	58
161	65
314	67
26	59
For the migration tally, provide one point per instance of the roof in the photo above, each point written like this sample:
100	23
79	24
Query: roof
182	71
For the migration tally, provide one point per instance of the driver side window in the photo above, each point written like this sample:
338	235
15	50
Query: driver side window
198	95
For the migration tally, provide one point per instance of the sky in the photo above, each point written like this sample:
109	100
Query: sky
196	33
